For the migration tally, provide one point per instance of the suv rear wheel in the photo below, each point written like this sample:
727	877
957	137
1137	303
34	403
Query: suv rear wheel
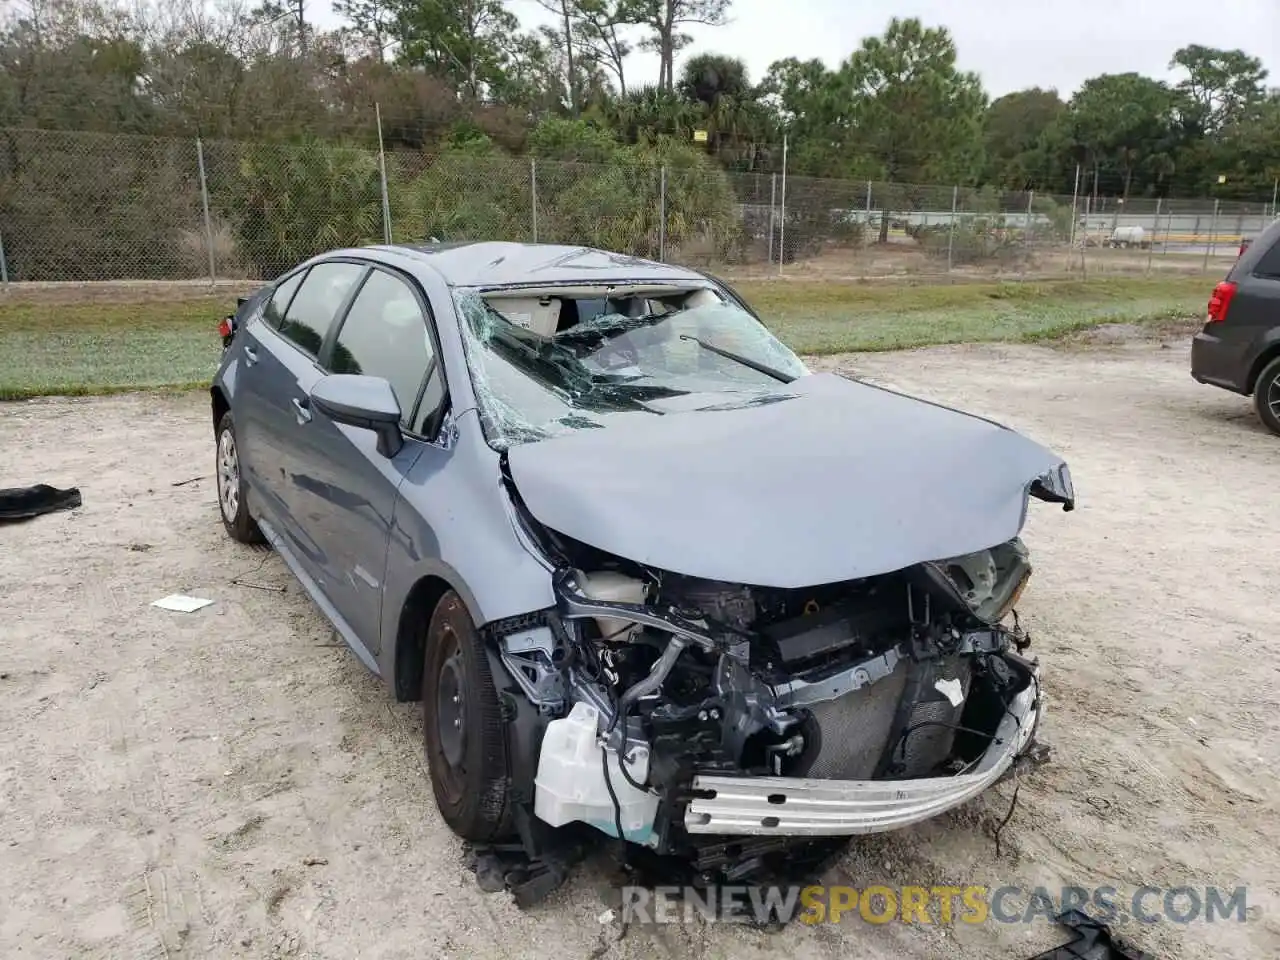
1266	396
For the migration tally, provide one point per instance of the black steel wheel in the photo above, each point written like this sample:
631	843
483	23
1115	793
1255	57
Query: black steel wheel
463	732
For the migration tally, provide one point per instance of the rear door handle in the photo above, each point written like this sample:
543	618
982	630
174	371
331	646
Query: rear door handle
250	355
301	410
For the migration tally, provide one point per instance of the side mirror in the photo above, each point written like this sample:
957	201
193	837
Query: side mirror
359	401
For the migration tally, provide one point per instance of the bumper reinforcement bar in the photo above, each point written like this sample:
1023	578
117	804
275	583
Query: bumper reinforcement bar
788	806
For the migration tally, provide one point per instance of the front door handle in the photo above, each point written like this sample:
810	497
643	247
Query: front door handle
250	355
301	410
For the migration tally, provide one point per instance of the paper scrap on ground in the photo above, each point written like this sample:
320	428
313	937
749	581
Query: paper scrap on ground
181	603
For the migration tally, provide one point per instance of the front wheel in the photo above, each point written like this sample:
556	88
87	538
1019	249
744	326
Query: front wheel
1266	396
231	487
463	732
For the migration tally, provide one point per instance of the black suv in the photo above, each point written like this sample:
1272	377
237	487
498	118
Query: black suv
1239	347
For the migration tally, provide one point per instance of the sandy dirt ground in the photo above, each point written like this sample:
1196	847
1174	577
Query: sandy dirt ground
232	783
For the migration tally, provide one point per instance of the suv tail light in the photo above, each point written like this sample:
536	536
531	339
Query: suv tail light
1221	300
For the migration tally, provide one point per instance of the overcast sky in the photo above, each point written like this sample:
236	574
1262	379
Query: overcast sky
1012	44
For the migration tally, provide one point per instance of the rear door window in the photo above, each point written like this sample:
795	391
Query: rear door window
313	310
385	334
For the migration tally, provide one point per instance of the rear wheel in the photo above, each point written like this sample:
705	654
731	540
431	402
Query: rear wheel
231	487
462	727
1266	396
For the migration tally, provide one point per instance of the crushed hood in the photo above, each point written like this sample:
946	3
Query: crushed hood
839	480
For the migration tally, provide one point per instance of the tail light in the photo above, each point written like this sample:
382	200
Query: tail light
225	328
1220	301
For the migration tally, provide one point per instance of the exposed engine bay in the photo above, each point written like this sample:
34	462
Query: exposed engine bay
723	722
715	681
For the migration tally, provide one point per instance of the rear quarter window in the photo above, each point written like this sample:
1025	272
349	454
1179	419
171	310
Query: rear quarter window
279	302
1268	265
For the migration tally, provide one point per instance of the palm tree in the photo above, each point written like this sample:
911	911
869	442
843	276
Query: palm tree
649	112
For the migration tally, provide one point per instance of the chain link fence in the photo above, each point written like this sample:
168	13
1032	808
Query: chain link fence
87	207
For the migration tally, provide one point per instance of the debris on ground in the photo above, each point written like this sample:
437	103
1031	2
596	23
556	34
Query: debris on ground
254	584
1093	941
533	868
246	579
181	603
24	503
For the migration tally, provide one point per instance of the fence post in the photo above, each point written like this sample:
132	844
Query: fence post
1213	229
662	214
1275	194
782	230
204	201
1211	246
773	199
1155	229
533	196
382	175
4	265
866	233
1029	235
1071	240
951	230
1084	242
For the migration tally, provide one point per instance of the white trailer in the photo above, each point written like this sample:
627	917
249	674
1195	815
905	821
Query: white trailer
1128	237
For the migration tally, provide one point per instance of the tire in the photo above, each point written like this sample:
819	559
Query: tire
463	733
232	492
1266	396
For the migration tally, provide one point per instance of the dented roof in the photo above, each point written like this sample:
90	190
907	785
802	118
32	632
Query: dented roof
501	263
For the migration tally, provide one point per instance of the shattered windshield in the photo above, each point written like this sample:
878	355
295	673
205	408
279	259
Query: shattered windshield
545	365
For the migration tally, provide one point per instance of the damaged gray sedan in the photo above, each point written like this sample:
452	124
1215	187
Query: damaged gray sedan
643	569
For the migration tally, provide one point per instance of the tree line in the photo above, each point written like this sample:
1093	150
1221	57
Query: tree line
898	108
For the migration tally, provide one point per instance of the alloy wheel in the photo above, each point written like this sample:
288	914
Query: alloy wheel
228	476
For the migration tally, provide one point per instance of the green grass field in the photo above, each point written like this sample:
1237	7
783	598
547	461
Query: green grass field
91	348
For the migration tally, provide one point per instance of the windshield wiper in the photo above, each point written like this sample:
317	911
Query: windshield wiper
738	358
